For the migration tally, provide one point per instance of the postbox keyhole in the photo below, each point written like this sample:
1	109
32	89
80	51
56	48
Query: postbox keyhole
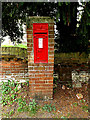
38	50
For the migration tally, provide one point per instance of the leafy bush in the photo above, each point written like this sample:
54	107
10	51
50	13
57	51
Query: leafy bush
48	107
9	95
55	80
33	106
8	90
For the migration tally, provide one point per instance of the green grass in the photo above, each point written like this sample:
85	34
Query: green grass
7	46
19	45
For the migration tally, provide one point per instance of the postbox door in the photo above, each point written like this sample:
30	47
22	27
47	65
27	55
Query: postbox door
40	49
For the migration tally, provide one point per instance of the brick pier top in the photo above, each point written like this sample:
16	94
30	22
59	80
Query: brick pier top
38	19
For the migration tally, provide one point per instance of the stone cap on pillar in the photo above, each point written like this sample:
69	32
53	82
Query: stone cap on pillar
39	19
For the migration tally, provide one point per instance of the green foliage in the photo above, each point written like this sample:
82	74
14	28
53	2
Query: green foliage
55	80
68	115
11	112
22	104
11	20
70	38
82	101
33	106
85	108
75	104
27	83
69	84
9	97
19	45
15	89
54	91
84	27
7	93
48	107
19	12
64	117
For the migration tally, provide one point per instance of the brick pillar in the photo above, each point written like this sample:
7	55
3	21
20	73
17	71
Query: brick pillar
41	74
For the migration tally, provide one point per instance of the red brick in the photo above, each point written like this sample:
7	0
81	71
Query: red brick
30	82
29	32
47	85
33	78
51	24
49	78
50	81
38	81
51	52
29	45
29	49
49	72
51	45
29	36
49	75
31	72
30	68
29	53
39	68
51	60
29	40
42	78
51	49
39	75
30	60
51	40
44	90
51	57
51	32
8	64
51	36
51	27
30	27
41	88
50	64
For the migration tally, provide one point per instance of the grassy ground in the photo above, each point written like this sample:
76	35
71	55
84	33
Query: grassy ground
19	45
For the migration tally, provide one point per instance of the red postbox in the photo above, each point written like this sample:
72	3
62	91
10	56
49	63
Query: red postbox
40	36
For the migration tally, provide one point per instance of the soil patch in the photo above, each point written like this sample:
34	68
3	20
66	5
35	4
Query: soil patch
66	103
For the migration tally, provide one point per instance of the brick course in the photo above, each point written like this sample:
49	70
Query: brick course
14	70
